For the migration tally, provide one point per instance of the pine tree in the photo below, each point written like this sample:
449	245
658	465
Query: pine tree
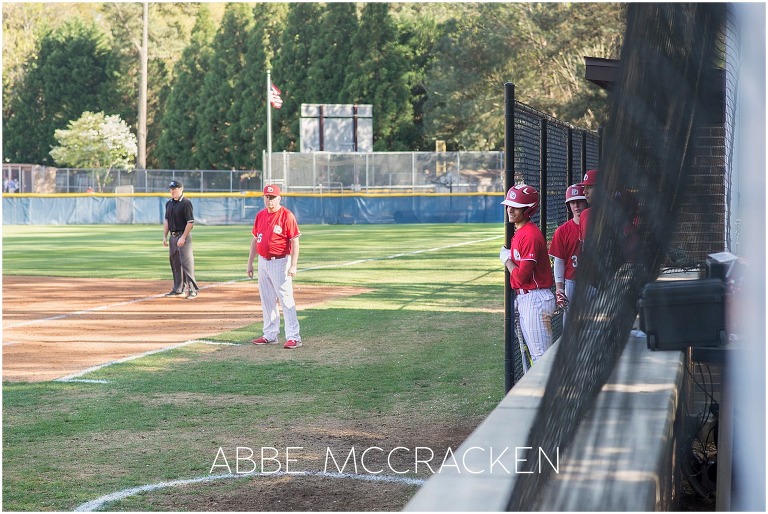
74	72
376	75
218	92
330	55
176	146
248	134
290	72
418	30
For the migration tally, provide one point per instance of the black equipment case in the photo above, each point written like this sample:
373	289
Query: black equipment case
676	314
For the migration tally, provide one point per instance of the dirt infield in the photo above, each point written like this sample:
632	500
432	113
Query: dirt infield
55	327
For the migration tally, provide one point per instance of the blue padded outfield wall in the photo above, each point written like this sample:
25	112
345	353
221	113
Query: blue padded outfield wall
226	209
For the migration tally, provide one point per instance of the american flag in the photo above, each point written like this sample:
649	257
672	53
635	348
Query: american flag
274	97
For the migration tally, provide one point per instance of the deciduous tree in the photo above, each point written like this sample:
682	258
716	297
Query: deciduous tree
98	142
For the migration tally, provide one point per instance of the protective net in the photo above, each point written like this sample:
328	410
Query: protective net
664	101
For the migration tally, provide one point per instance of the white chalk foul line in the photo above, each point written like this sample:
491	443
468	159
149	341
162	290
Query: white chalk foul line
404	254
125	493
109	306
219	284
75	377
80	313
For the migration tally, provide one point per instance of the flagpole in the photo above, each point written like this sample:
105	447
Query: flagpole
268	167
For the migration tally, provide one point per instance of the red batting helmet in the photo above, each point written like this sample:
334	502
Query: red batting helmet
590	178
271	190
523	195
574	192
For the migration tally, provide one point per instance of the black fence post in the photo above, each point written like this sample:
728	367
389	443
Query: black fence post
509	181
599	146
569	160
543	189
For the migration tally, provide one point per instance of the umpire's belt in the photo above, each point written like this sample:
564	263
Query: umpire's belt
273	257
178	233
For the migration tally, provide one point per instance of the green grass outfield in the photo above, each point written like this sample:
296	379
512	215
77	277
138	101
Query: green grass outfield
422	351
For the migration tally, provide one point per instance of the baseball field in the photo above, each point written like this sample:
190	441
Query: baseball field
117	398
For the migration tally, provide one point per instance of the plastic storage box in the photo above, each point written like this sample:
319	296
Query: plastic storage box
677	314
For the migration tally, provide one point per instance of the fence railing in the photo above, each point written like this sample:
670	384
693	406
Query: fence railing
439	172
316	172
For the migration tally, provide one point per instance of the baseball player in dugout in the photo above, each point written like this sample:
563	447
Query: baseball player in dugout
530	273
623	202
566	247
179	220
276	242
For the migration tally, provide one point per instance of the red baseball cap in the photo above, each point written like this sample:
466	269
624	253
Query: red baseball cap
271	190
590	178
574	192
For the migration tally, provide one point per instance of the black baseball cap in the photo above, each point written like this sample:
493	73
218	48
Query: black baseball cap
174	184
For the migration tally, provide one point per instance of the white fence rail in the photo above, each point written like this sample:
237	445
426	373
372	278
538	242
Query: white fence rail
315	172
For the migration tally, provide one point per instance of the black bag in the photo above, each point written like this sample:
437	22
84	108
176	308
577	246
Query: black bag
676	314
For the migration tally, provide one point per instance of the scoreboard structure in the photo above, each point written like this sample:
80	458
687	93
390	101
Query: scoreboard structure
336	128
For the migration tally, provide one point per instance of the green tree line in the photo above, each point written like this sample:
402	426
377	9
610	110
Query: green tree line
432	71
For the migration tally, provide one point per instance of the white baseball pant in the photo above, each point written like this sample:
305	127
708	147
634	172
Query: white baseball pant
274	285
536	308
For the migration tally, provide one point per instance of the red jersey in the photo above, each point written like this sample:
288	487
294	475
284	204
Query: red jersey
566	245
529	252
583	219
273	232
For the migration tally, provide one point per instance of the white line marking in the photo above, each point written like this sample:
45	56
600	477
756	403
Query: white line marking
78	313
219	284
75	377
105	307
125	493
84	380
398	255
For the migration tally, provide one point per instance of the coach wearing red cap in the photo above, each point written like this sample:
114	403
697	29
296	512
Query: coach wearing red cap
276	242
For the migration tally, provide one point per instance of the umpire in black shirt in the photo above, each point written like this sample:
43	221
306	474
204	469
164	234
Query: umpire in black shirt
179	221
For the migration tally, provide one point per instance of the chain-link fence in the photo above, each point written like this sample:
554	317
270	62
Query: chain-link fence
32	178
431	172
546	148
316	172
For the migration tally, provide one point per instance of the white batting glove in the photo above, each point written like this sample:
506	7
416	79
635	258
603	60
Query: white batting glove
505	254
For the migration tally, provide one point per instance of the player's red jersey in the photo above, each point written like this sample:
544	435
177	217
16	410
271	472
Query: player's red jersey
583	220
566	245
529	252
274	231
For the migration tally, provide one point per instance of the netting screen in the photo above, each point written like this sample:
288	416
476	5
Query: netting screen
664	101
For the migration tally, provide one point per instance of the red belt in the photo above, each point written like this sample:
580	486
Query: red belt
523	291
274	257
